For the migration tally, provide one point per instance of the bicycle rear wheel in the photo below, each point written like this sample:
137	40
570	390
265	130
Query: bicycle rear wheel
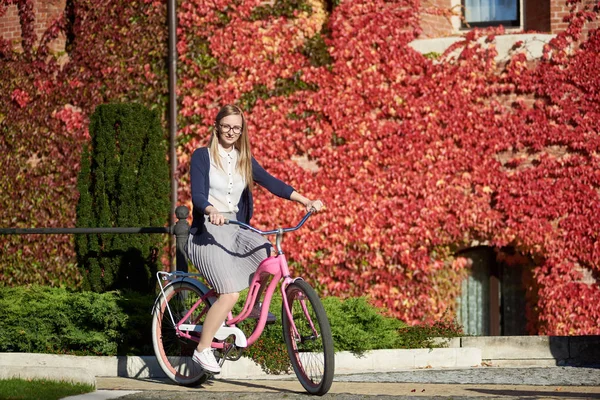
311	353
174	353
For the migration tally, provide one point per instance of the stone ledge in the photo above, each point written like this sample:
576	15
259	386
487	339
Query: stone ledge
534	350
533	44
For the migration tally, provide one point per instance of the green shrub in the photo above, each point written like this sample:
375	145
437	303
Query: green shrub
136	338
124	182
422	336
56	320
356	326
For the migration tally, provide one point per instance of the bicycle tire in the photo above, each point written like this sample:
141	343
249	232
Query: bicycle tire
174	353
312	357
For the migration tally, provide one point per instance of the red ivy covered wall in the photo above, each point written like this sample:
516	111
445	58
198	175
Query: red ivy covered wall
415	158
113	51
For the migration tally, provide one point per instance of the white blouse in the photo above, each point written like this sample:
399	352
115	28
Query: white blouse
227	184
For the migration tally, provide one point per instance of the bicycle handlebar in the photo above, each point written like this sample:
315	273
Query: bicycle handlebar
271	232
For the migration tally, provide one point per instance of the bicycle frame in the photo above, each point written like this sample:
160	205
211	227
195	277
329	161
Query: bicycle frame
274	266
277	267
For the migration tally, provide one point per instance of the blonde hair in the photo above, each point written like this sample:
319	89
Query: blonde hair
244	163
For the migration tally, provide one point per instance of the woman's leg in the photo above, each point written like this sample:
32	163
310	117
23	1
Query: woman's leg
215	317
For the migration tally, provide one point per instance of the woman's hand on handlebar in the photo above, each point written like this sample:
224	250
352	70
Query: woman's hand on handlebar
214	216
311	205
314	206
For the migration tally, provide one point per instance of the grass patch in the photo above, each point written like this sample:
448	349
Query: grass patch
36	389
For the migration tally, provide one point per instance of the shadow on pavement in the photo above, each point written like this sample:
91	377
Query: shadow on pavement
246	384
534	393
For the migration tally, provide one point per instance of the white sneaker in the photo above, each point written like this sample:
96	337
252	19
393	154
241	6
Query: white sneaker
207	360
255	313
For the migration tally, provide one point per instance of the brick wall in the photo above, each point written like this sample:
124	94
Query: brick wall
559	9
10	29
46	11
436	25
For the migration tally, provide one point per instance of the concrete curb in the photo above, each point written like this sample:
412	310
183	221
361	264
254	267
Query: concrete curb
86	368
102	395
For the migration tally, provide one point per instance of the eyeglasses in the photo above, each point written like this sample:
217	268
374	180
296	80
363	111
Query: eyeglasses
226	128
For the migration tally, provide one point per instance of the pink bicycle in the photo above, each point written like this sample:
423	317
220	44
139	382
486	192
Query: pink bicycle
180	308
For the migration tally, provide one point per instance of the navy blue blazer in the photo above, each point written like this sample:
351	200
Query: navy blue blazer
199	176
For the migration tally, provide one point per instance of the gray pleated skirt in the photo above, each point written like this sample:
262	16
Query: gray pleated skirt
227	256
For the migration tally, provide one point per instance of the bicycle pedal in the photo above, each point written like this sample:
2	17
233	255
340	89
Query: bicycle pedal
234	356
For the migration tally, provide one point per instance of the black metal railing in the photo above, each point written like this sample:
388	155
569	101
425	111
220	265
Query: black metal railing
180	229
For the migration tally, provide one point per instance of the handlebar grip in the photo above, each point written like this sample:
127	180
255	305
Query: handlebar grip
226	221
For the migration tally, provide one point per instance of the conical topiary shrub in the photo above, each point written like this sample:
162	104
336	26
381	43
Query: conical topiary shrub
123	182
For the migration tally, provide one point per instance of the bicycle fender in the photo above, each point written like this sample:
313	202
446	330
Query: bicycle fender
199	285
289	281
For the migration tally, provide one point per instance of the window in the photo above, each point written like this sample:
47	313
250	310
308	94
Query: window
480	13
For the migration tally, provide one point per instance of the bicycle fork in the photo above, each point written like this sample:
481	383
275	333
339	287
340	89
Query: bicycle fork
297	337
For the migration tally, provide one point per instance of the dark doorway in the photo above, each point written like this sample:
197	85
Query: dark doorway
492	302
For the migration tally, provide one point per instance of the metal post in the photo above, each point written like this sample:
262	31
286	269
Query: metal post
181	231
172	22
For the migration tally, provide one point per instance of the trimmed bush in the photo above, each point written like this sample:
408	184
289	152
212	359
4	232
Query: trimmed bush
124	182
56	320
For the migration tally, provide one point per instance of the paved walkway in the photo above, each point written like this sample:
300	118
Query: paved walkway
469	383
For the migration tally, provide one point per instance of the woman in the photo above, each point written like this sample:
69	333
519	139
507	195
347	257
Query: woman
222	177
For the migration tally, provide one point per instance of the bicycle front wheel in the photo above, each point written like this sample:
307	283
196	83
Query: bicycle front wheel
311	350
174	352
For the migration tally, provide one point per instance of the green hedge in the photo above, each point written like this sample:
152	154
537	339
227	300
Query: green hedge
56	320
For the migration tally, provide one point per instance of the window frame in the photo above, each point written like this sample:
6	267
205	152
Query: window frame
511	24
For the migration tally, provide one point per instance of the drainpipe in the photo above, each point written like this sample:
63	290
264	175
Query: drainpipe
172	22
